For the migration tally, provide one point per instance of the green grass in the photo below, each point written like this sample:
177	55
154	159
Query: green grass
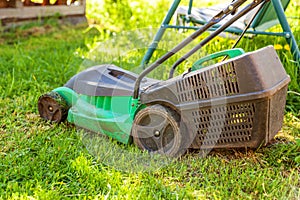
39	160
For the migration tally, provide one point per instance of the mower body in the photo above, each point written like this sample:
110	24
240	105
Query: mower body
235	103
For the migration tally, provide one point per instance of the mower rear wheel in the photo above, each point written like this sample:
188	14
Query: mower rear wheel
157	129
53	107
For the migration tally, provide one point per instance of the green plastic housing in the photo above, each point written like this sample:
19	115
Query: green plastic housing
231	53
109	115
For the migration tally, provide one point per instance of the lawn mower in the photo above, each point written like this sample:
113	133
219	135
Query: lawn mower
238	102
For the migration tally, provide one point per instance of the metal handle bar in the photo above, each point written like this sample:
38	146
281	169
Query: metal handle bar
231	8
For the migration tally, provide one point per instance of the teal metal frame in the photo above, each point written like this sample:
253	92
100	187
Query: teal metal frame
279	10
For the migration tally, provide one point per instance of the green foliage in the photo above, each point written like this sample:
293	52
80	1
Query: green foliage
120	15
297	157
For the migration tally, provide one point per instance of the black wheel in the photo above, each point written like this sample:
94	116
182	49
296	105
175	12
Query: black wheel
157	129
53	107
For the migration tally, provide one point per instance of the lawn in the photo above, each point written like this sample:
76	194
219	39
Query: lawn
41	160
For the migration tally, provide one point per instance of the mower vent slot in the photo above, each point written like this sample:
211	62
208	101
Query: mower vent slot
216	82
224	124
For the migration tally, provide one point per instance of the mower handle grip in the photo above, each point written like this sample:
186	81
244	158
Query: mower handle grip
231	53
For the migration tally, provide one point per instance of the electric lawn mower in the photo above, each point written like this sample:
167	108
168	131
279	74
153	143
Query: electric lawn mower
238	102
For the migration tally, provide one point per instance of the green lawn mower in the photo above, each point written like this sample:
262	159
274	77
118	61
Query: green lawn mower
238	102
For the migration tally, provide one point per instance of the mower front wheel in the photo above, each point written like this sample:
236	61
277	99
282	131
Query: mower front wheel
53	107
157	129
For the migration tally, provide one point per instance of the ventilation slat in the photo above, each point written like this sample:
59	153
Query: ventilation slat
216	82
224	124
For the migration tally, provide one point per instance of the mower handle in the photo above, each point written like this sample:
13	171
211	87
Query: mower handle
230	9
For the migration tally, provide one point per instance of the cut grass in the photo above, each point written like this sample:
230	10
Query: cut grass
49	161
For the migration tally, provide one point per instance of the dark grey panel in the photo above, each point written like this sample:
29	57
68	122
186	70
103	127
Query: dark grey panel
105	80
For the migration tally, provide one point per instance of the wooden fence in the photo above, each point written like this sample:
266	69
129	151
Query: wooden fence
14	11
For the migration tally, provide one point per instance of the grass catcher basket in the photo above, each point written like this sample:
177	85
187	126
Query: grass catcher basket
235	103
